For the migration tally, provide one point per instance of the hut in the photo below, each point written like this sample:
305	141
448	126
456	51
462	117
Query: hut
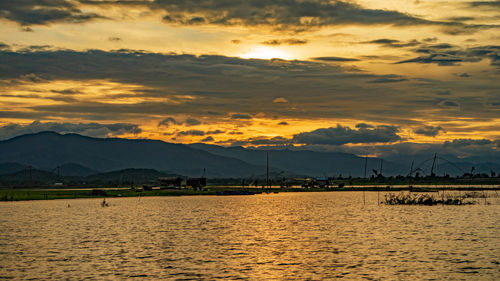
321	182
197	183
170	182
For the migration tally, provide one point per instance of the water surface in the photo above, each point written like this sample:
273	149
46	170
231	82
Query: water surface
278	236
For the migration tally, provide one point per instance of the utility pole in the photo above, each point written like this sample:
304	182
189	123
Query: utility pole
411	173
366	163
267	169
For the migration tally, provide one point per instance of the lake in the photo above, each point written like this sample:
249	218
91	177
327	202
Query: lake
323	235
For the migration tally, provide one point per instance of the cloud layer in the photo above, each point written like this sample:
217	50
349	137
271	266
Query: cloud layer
294	15
342	135
34	12
219	87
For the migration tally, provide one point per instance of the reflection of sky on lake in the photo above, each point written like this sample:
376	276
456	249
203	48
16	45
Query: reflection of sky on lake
277	236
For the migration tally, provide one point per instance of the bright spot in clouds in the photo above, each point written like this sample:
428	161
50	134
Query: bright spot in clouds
266	53
280	100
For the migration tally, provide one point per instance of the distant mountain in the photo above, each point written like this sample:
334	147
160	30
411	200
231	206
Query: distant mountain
73	155
73	170
49	149
28	175
129	175
310	163
9	168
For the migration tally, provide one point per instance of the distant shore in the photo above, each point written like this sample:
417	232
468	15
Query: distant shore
69	193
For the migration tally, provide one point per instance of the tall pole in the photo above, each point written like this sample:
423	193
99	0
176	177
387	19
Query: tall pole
267	169
433	164
381	165
411	173
366	162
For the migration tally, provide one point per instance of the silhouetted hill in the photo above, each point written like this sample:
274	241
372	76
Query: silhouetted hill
29	175
80	156
305	162
73	170
129	175
49	149
9	168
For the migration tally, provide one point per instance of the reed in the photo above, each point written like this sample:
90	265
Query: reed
423	199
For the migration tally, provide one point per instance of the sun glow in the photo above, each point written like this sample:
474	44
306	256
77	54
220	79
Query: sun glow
266	53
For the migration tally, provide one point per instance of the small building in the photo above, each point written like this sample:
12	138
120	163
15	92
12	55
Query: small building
197	183
321	182
170	182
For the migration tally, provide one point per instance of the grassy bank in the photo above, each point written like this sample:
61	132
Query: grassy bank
49	194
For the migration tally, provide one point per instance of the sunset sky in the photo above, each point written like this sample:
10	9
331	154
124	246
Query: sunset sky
364	77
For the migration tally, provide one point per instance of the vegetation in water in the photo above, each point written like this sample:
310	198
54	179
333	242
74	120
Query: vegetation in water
424	199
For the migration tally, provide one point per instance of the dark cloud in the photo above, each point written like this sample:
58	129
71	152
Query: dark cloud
429	131
191	133
296	15
261	141
215	132
442	46
88	129
393	43
448	55
335	136
114	39
364	126
430	39
214	85
4	47
192	122
279	14
440	59
485	4
172	121
67	91
467	142
448	103
283	123
342	135
167	121
289	41
208	139
337	59
389	79
35	12
461	19
241	116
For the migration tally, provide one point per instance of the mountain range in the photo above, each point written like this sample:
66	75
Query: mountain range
77	155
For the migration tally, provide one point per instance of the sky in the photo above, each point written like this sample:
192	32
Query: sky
365	77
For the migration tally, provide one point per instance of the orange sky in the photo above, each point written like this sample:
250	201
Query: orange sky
234	72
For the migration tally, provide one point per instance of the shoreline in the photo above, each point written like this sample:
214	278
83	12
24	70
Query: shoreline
9	195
